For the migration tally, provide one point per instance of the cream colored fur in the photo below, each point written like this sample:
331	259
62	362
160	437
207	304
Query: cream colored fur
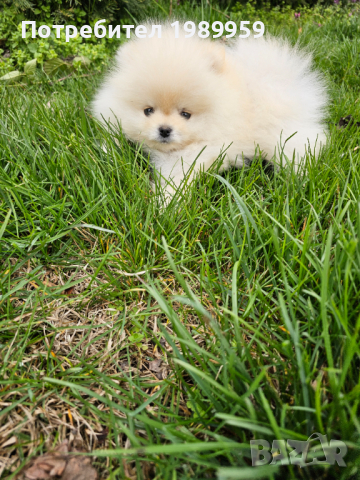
253	92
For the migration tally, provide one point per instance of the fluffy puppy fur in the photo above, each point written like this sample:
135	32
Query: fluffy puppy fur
178	95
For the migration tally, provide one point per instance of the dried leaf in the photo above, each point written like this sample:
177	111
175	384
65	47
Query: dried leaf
125	365
60	464
70	292
102	436
79	468
155	365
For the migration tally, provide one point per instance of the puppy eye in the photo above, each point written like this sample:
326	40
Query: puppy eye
148	111
185	115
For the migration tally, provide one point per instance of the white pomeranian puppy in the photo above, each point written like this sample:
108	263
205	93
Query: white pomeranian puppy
187	99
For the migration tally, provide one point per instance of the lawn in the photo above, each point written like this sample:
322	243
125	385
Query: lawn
164	340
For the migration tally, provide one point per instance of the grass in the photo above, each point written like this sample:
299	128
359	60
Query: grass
181	334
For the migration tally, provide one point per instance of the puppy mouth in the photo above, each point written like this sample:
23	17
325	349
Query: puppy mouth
164	140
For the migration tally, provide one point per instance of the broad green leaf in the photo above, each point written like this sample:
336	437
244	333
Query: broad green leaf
54	64
84	60
30	67
12	75
32	47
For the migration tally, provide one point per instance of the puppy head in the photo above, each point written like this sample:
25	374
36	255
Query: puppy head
168	115
167	89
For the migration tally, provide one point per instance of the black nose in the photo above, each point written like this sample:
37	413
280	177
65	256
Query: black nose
165	131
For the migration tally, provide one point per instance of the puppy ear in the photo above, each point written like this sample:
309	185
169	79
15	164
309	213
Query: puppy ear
217	56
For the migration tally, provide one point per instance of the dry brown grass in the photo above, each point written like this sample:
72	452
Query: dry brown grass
72	330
